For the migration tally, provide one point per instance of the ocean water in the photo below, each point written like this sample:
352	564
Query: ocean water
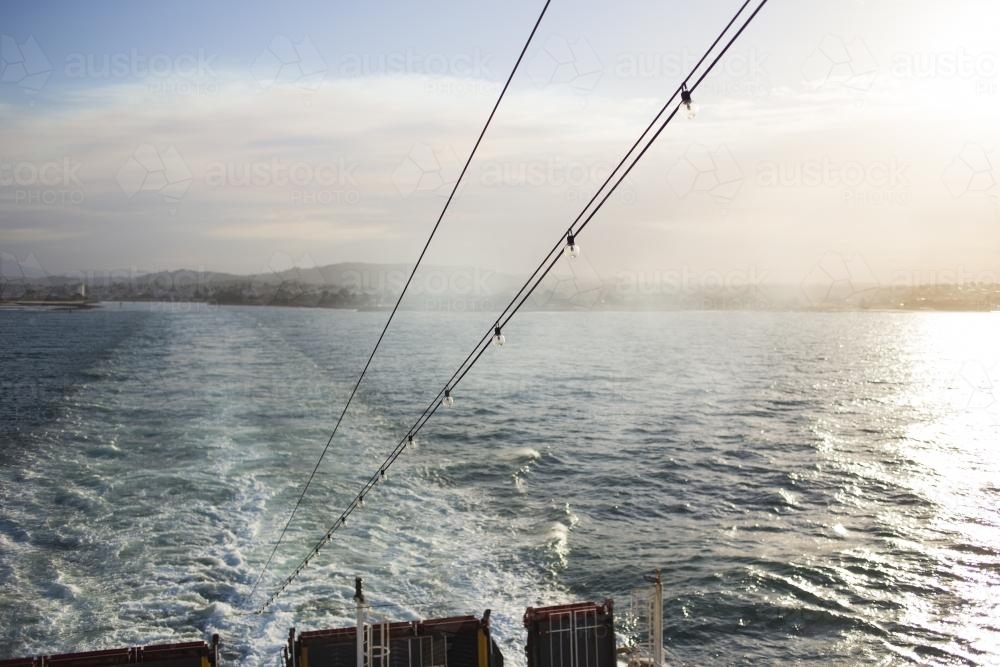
817	488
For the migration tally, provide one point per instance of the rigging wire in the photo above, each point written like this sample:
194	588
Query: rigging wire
497	327
505	317
364	371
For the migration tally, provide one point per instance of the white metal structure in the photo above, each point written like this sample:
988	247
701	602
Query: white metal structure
359	601
647	610
375	644
573	638
376	650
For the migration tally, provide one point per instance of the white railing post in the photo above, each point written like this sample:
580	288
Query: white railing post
359	600
658	619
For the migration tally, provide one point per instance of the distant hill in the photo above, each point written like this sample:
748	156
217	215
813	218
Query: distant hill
341	285
361	285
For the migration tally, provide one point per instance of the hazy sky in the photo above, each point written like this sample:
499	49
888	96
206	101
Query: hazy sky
235	135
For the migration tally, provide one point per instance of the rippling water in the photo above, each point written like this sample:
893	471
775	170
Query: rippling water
818	488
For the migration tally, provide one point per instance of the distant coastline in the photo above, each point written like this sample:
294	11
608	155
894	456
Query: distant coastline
376	287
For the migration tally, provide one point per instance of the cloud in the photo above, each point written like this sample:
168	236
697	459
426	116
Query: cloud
346	138
298	230
38	235
542	159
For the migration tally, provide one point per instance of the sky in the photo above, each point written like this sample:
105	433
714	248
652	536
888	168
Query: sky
836	136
